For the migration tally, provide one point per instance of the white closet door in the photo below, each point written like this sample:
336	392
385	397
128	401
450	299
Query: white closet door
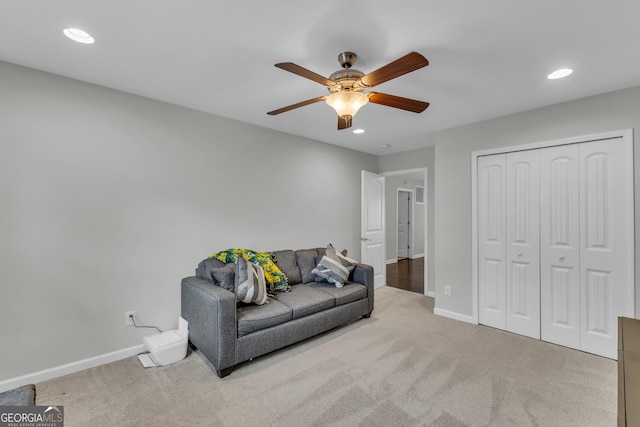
560	245
605	230
523	243
556	242
492	240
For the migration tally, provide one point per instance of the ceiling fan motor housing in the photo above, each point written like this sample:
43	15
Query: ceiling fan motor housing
346	79
347	59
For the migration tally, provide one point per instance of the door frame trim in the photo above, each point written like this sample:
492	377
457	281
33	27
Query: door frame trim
627	138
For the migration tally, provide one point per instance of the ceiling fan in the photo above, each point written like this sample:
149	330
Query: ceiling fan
347	86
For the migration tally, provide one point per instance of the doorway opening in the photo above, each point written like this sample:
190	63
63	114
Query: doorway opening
407	257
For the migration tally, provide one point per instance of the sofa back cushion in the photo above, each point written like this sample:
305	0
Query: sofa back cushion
203	270
297	265
307	260
286	262
225	276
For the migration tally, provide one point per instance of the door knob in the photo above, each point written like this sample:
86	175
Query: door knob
364	239
561	258
519	254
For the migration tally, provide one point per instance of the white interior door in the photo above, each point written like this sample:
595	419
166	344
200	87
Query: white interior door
403	228
560	245
492	298
372	225
523	243
606	235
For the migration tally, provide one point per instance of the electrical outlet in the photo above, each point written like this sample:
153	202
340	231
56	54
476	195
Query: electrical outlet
129	316
447	290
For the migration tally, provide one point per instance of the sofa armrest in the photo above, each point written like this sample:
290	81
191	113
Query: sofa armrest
211	313
363	273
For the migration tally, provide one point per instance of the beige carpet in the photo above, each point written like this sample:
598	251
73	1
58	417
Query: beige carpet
403	367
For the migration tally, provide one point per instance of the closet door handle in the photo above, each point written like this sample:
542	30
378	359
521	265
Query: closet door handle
519	254
561	258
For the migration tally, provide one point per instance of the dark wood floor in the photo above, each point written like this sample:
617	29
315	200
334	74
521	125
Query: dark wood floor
407	274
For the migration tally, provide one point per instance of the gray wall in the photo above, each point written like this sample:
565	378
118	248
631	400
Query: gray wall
414	159
109	199
601	113
392	184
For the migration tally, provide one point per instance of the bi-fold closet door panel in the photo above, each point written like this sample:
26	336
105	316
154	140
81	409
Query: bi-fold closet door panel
560	245
492	295
606	242
509	295
585	243
523	243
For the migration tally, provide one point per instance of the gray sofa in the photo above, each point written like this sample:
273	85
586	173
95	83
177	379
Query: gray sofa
228	333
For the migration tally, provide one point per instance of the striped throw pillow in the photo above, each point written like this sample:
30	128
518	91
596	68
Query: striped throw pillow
334	267
250	285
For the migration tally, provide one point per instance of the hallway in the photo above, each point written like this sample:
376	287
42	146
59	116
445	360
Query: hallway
407	274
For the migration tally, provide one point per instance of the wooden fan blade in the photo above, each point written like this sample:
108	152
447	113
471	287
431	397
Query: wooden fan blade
344	123
303	72
298	105
408	63
398	102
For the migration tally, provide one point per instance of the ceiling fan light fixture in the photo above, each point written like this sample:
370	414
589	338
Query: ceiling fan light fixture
347	103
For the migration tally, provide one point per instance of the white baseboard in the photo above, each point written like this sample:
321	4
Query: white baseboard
70	368
414	256
391	261
430	294
453	315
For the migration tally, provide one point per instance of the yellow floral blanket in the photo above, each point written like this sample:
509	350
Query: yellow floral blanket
276	279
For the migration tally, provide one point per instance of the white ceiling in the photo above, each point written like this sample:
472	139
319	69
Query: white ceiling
487	58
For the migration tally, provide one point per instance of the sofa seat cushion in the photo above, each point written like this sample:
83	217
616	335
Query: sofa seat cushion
348	293
304	300
253	318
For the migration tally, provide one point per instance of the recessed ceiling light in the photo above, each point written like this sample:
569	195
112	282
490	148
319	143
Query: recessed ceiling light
558	74
358	131
385	146
79	35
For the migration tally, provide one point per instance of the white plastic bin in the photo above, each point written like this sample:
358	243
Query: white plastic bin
166	348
